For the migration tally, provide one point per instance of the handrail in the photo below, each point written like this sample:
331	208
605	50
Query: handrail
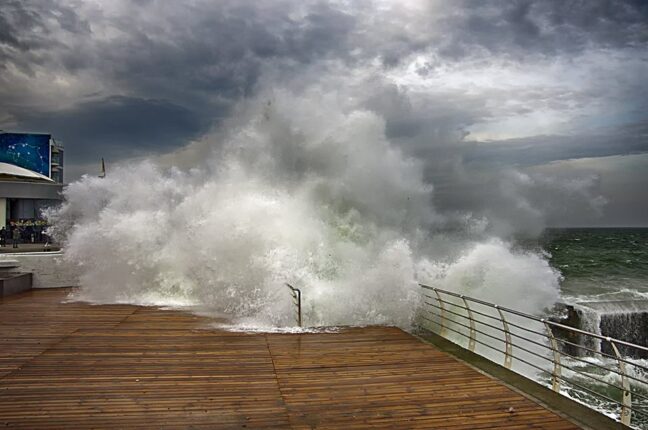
551	352
296	295
548	335
535	318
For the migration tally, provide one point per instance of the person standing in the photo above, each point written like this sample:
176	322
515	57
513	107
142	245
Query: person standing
38	232
16	236
3	237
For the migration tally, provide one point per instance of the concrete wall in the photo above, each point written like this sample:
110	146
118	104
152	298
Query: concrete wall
30	190
16	283
48	269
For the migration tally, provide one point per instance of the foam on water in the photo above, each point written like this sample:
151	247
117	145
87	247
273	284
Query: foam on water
300	190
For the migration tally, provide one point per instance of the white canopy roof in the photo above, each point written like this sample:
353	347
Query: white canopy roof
10	169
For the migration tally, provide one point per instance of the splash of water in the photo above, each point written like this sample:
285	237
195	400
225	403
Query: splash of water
299	190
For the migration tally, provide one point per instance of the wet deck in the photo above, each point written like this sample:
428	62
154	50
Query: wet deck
81	366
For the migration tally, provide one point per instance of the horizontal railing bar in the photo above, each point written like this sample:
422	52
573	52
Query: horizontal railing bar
468	327
496	318
528	351
587	348
439	307
570	382
501	329
487	316
491	326
465	335
637	410
535	318
528	329
609	369
587	375
536	343
640	410
455	313
517	346
597	336
603	354
445	301
449	319
594	393
534	353
539	344
449	328
448	311
598	381
489	346
450	293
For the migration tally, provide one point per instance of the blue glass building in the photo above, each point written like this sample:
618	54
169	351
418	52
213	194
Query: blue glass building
31	178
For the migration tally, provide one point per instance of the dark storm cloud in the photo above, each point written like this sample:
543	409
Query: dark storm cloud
120	127
626	140
28	27
204	57
548	27
166	71
218	49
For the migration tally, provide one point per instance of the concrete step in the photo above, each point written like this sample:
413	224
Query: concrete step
14	283
6	263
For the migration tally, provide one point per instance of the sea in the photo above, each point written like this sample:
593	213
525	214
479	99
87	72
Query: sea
600	264
605	279
605	282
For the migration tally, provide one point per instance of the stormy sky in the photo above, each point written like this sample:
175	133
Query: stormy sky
514	106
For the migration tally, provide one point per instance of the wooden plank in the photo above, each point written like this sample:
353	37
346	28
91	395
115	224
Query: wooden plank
75	365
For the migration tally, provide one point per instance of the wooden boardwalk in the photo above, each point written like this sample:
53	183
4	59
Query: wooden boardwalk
74	365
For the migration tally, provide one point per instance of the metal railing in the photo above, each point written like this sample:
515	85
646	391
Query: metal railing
534	343
296	295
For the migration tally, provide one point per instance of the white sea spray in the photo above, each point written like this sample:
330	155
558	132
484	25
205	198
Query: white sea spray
301	190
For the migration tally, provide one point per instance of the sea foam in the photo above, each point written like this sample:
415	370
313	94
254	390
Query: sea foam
297	190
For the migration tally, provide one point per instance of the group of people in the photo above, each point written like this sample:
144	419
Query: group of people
17	234
13	235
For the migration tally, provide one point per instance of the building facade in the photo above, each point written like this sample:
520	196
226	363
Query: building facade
31	179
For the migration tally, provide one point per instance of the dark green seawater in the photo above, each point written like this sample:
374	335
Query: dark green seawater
600	263
606	278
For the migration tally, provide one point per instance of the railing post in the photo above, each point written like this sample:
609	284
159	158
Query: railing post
626	408
508	356
555	375
296	294
443	329
299	310
473	331
557	379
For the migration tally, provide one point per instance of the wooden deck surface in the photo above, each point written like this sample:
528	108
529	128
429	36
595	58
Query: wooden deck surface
74	365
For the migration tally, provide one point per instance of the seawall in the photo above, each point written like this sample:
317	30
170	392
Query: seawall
49	270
